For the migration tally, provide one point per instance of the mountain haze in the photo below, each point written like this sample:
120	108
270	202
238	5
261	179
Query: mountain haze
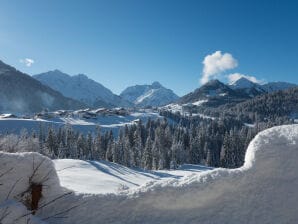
81	88
20	93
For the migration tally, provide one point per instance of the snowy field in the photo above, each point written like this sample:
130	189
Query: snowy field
264	190
111	122
93	177
177	108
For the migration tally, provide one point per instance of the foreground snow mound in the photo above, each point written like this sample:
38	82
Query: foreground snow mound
264	190
20	173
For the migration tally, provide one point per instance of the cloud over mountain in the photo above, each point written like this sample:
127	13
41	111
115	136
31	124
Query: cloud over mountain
215	64
236	76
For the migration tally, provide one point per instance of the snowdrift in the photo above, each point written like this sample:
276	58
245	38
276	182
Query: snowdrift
105	177
264	190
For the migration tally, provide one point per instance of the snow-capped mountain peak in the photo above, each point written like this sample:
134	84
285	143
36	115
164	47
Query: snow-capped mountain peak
242	83
81	88
149	95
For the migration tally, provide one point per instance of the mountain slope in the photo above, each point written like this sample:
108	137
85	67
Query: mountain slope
250	88
272	105
20	93
149	95
81	88
215	93
276	86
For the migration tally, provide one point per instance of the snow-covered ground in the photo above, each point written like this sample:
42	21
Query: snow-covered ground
175	108
108	122
104	177
264	190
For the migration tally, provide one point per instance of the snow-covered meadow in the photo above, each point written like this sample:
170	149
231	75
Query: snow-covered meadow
102	177
76	121
264	190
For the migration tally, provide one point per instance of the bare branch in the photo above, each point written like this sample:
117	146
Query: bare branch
35	169
2	174
65	168
4	214
63	212
12	188
55	199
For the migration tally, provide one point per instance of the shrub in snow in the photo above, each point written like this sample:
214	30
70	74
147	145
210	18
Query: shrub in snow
28	184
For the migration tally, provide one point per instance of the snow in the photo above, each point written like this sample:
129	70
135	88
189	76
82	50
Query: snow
243	83
79	87
17	172
199	102
149	95
104	177
264	190
249	125
175	108
107	122
13	212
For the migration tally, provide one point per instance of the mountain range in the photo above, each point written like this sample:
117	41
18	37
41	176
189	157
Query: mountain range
81	88
20	93
216	93
94	94
53	90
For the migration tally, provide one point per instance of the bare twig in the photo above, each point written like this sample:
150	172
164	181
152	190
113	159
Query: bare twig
2	174
46	177
12	188
63	212
35	169
65	168
4	214
44	205
55	199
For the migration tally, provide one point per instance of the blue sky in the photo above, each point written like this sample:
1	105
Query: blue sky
122	43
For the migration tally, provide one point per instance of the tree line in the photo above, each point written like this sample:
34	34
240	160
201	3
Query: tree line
157	144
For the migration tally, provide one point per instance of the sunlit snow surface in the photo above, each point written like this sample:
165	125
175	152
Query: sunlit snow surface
264	190
103	177
108	122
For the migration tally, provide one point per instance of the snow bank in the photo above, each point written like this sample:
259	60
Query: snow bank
13	212
264	190
18	171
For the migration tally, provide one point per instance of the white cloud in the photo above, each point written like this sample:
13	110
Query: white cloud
235	76
27	61
216	63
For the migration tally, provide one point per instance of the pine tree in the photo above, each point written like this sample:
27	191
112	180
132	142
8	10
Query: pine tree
51	143
147	155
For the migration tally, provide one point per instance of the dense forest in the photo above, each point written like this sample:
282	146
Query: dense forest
280	105
157	144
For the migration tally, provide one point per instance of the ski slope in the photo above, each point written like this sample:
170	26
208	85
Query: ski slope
264	190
